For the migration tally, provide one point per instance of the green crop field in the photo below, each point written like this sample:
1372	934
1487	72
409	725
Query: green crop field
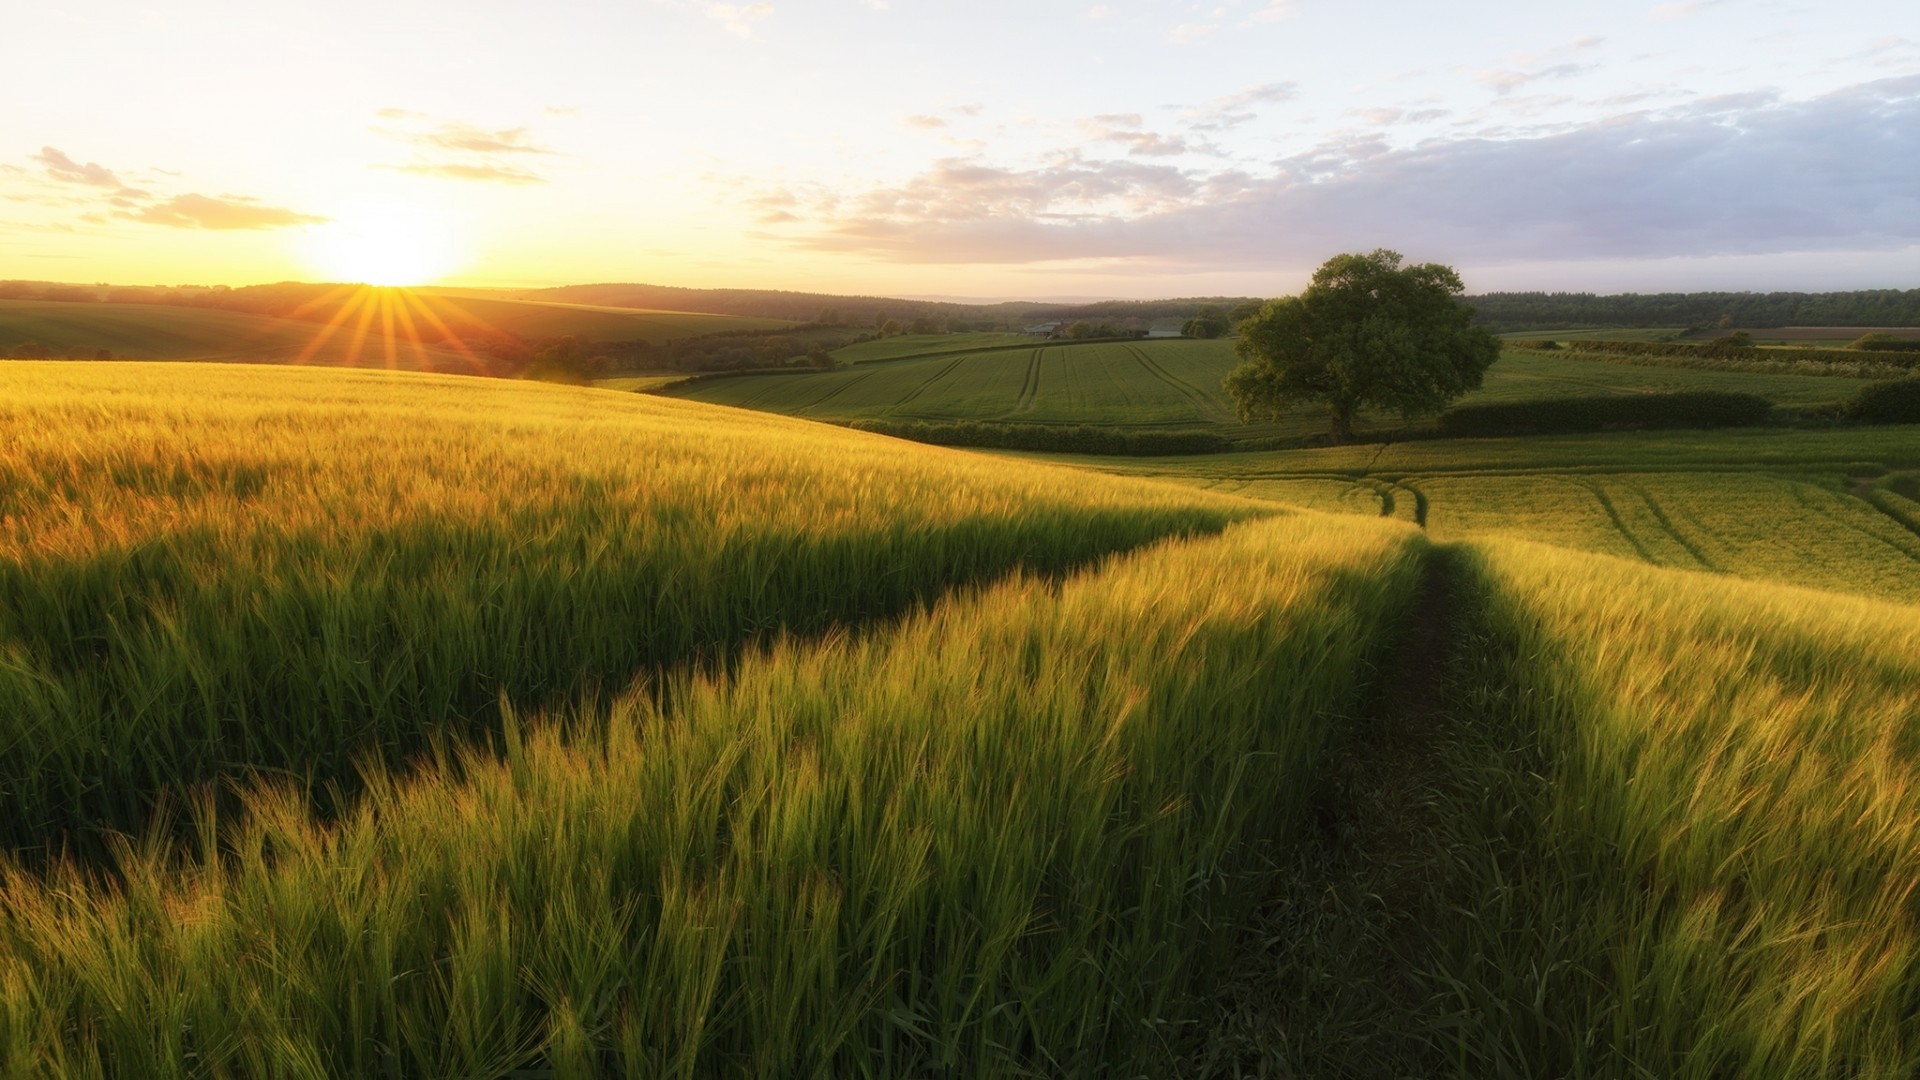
903	345
367	723
1175	384
1833	510
1655	333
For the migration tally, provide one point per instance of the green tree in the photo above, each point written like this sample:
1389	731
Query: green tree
1209	322
1367	332
1080	330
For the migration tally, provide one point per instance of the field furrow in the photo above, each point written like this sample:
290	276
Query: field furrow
945	370
839	388
1204	407
1031	386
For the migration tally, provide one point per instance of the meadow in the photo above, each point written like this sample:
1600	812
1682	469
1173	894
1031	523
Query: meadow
1176	384
365	723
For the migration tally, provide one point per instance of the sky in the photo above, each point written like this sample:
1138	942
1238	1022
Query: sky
982	149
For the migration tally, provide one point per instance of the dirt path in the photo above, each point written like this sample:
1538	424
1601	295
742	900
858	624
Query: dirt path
1321	989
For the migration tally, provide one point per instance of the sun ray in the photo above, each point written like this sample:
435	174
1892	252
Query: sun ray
448	337
401	298
386	329
330	328
367	309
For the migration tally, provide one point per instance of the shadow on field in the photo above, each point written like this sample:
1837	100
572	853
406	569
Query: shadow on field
156	674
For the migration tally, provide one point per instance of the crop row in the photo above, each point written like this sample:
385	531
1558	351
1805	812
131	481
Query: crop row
1011	836
206	571
1683	834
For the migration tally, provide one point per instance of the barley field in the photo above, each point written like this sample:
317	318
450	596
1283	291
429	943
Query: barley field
1691	812
206	570
367	723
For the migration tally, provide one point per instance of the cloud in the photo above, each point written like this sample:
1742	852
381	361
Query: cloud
1822	175
1124	128
1506	82
1189	32
66	170
1237	108
458	150
455	135
922	120
739	19
61	167
1272	11
456	170
227	212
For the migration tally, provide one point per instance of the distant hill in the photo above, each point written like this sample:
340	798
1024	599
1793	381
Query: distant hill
159	332
867	310
329	324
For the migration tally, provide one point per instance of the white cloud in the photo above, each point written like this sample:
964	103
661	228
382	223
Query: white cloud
739	19
1272	11
1189	32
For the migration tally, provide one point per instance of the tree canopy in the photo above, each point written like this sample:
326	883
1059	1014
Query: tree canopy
1367	332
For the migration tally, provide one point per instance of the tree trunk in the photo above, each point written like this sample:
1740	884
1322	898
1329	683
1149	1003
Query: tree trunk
1342	426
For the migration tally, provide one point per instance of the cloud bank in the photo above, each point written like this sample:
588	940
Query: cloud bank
1745	176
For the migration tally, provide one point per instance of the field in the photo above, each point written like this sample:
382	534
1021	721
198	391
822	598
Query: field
1655	333
366	723
536	319
1826	509
356	327
1173	385
158	332
901	345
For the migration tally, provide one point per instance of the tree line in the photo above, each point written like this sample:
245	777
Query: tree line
1512	311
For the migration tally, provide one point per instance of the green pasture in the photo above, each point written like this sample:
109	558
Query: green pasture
1177	384
1634	333
904	345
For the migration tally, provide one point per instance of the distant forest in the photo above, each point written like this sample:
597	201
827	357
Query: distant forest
872	310
1502	310
1701	311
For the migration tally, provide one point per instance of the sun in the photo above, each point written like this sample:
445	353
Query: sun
384	244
